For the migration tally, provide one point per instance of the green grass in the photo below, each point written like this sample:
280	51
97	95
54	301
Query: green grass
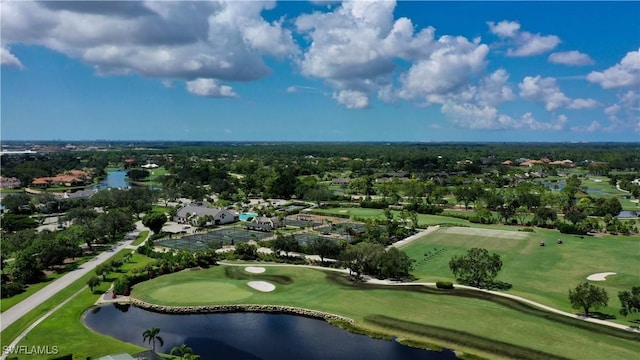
407	312
141	237
543	274
11	332
65	329
7	303
160	209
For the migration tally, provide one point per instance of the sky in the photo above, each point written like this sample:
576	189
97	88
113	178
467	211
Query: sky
416	71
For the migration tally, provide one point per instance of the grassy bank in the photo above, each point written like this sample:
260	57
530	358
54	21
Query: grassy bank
540	273
69	331
389	310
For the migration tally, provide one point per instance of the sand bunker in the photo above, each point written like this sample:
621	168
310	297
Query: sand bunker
262	286
254	269
599	276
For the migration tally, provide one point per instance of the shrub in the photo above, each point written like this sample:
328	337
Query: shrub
526	230
444	285
11	289
570	229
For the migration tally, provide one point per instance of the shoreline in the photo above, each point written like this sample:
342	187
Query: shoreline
238	308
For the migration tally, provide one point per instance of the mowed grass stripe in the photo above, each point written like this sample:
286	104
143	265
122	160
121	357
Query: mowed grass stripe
487	233
498	321
540	273
198	292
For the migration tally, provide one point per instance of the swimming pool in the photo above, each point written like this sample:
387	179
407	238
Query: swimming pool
247	216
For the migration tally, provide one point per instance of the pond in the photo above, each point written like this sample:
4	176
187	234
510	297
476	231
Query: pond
249	336
625	214
115	179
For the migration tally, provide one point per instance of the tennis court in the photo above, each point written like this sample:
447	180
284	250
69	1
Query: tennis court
305	239
213	239
343	228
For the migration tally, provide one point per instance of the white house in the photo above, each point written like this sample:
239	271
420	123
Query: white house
263	223
191	214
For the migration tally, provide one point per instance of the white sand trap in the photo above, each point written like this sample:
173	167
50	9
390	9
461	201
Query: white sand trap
600	276
597	180
254	269
262	286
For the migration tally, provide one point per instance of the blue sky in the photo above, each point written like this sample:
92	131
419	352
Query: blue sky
320	71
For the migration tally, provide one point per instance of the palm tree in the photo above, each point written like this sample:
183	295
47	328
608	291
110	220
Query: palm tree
151	335
182	351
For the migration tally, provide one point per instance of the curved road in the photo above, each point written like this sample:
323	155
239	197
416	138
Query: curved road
22	308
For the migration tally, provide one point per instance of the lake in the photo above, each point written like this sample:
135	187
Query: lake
249	336
115	179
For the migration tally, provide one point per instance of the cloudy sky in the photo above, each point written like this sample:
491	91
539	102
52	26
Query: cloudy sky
320	71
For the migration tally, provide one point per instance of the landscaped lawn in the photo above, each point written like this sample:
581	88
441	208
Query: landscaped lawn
11	332
7	303
141	237
540	273
407	312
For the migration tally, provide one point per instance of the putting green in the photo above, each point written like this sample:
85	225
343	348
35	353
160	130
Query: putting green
198	292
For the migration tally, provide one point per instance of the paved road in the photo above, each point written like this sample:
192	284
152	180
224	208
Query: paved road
20	309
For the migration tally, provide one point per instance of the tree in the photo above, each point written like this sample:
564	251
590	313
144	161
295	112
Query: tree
154	221
587	296
324	248
477	267
25	268
93	282
138	174
183	350
629	301
246	251
151	335
12	222
393	264
284	243
113	222
544	215
17	203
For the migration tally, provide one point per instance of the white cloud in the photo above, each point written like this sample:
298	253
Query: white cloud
452	64
508	29
209	88
8	59
624	74
574	58
353	47
522	43
624	115
626	112
579	103
352	99
493	89
543	90
547	91
478	117
165	40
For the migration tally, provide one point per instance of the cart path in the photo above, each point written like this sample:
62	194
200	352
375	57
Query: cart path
369	280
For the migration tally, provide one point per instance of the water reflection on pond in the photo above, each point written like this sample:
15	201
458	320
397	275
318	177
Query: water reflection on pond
249	336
